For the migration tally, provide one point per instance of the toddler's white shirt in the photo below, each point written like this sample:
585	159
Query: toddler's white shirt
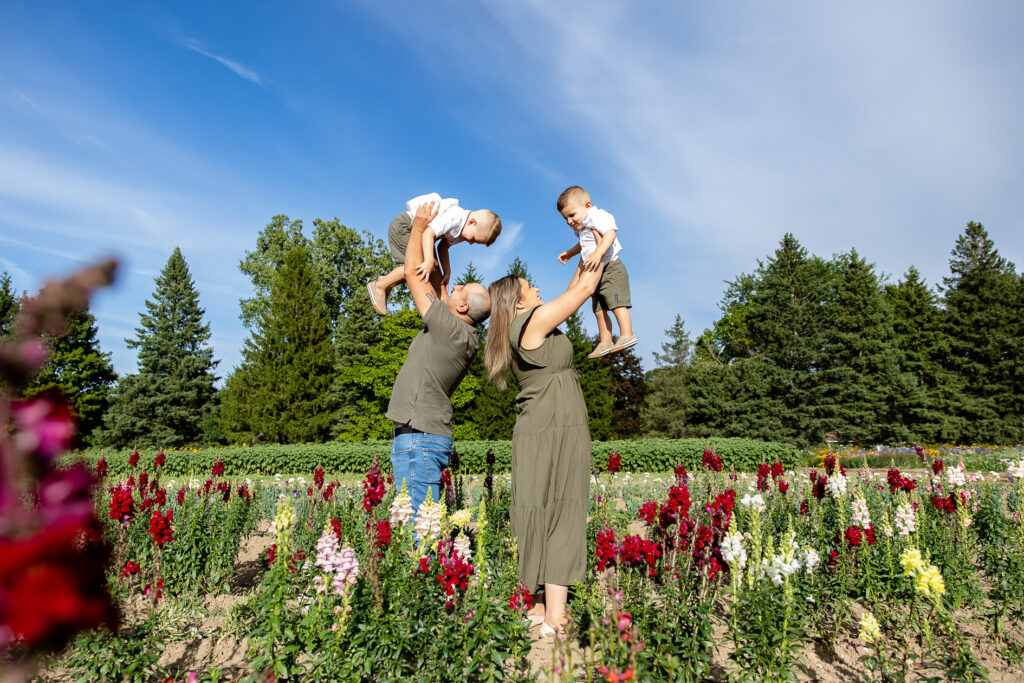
602	221
450	218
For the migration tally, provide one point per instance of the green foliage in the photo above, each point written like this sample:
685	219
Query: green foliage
76	367
982	325
861	389
281	393
918	323
667	405
629	393
9	305
168	399
638	455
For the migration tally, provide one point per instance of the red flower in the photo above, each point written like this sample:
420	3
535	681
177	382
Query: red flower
613	675
869	535
161	497
648	512
182	492
636	552
243	491
143	480
318	477
804	508
133	459
101	467
818	490
783	486
830	464
777	470
614	461
520	600
383	533
159	589
898	482
159	460
130	568
373	487
218	468
455	573
853	536
122	505
937	467
424	565
680	473
336	528
160	527
49	590
711	461
606	550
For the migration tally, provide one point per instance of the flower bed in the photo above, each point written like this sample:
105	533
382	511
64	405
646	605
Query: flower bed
780	562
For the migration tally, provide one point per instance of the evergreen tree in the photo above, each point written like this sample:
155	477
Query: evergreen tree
629	394
981	326
283	389
470	274
595	378
9	304
279	237
746	398
167	401
666	411
518	268
862	390
919	328
786	321
76	367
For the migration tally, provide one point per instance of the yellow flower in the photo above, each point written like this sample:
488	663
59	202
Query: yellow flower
930	583
869	630
912	561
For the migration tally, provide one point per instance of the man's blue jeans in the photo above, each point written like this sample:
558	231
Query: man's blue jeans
418	458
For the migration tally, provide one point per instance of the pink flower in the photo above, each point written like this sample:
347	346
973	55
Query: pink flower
46	426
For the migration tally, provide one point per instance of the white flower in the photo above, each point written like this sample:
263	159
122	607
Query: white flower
837	485
810	559
756	502
905	523
955	475
428	522
462	547
1016	469
780	568
401	508
733	552
861	516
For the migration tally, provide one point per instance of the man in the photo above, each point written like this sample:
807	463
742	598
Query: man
439	357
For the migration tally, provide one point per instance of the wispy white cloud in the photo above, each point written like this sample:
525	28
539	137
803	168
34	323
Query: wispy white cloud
20	279
239	69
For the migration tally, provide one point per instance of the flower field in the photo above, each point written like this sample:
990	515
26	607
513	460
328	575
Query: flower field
827	574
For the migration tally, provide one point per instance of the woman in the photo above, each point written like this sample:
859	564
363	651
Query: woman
551	455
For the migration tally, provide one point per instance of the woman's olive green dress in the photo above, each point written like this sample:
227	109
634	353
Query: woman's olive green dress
551	461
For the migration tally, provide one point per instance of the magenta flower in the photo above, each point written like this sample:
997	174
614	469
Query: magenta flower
46	426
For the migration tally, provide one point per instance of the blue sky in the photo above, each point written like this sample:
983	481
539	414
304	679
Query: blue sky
708	129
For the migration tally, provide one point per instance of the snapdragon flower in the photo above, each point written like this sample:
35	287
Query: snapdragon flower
810	559
837	485
955	475
462	547
461	518
733	551
401	507
1016	469
861	516
755	502
869	629
428	522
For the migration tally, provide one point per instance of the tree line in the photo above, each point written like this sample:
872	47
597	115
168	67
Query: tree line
805	349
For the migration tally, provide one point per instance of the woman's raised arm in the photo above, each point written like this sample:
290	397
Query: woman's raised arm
550	315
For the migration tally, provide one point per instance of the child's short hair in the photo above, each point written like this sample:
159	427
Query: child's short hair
574	192
495	227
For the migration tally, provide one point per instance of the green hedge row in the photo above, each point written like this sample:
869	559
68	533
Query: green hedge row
638	455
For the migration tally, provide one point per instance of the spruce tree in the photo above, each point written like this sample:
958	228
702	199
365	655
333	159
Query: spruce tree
919	325
167	401
289	361
470	274
519	269
629	394
76	367
665	414
9	304
786	322
861	389
595	378
982	320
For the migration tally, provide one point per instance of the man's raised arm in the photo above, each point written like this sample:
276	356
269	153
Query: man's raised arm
423	293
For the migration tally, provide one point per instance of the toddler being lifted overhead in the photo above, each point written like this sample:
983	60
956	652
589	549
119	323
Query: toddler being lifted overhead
599	246
452	225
